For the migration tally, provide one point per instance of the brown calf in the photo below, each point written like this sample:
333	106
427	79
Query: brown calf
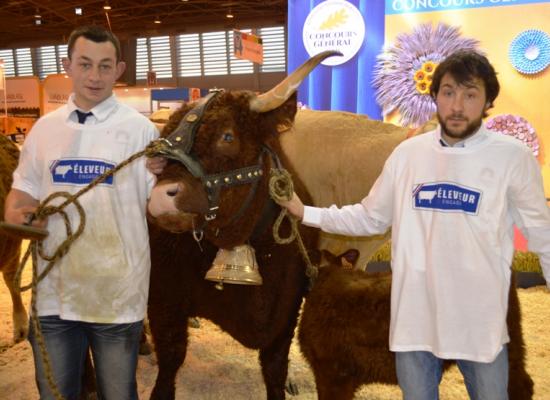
344	331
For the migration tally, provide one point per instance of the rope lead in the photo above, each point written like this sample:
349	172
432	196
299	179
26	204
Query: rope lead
35	249
281	188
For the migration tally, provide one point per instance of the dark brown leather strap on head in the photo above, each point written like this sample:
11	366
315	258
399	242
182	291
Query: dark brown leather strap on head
177	146
184	135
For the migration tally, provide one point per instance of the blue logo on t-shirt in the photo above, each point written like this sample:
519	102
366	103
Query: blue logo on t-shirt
79	171
446	196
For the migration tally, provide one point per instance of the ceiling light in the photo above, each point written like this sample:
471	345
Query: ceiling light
78	10
106	6
157	20
229	14
37	17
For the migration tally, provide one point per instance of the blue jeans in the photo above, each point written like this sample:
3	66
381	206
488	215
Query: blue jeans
419	374
114	351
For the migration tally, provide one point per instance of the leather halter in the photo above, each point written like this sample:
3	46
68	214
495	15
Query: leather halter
178	146
179	143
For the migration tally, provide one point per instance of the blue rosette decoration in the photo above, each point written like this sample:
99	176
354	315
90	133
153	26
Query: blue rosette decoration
529	52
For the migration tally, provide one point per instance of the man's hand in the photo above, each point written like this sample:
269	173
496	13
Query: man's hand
19	216
294	206
19	209
155	165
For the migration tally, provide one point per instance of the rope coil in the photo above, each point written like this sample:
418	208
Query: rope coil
281	188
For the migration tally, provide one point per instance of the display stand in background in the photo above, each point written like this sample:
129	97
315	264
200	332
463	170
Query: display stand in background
23	104
174	97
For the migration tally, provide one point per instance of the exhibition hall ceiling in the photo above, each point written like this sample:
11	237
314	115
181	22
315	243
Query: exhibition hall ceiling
39	22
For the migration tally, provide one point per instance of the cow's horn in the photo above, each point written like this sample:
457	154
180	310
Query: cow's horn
279	94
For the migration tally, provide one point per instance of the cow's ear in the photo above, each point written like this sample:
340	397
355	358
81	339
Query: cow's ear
345	263
282	117
351	256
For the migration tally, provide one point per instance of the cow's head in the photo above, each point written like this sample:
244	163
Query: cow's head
221	150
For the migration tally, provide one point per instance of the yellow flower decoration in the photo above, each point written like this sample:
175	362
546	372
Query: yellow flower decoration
424	76
429	67
419	76
423	88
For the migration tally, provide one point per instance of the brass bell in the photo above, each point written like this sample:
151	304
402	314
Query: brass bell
237	266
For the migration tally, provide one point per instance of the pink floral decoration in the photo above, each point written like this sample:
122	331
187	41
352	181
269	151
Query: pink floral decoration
516	126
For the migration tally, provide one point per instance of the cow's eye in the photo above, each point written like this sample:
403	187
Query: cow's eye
227	143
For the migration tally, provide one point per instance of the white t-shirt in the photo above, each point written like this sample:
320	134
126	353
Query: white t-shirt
104	277
452	210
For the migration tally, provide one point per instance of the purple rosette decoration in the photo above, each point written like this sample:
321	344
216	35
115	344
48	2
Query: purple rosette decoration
403	73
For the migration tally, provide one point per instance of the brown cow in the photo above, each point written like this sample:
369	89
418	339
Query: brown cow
230	137
10	248
350	151
344	331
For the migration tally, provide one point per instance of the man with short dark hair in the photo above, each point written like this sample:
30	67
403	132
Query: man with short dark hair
451	197
96	295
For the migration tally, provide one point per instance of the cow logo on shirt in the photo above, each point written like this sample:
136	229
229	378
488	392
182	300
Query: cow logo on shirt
79	171
445	196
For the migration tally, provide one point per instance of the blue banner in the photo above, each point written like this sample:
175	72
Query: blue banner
173	94
445	196
79	171
415	6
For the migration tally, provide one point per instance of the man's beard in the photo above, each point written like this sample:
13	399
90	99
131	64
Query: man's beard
469	130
